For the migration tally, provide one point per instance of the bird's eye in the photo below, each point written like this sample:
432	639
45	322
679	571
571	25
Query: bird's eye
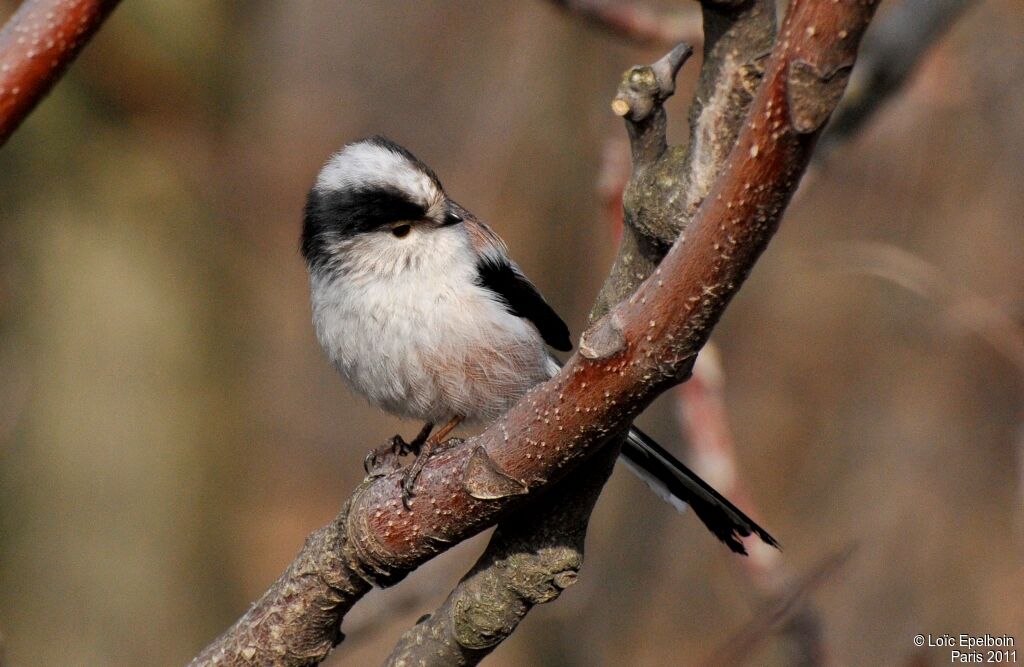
401	231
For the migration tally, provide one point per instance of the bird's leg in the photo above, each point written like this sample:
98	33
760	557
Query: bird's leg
427	448
417	442
384	459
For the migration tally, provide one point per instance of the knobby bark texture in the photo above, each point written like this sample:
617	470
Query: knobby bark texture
532	557
36	46
641	347
666	186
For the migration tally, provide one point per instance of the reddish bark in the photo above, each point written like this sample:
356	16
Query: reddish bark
36	45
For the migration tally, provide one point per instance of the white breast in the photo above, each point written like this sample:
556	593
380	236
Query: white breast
413	333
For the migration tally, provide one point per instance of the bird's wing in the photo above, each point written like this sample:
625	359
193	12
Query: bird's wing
498	273
521	298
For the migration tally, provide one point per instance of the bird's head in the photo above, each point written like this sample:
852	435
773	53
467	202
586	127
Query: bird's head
374	200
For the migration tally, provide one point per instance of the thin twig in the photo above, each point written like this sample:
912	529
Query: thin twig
613	177
703	417
636	22
36	45
975	313
777	612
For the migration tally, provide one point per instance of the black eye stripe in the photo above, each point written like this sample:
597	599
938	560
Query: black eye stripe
350	211
358	210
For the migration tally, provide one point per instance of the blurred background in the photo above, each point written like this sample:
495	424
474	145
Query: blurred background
170	431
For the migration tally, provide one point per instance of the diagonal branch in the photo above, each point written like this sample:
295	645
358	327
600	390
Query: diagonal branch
36	45
667	186
794	617
640	348
521	547
532	557
789	607
538	551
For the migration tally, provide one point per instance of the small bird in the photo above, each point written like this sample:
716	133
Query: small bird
422	311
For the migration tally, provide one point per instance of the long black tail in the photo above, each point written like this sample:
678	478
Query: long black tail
668	477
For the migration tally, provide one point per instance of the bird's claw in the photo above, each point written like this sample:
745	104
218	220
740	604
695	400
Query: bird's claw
384	459
412	473
408	484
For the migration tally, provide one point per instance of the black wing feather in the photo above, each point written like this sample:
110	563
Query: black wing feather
522	299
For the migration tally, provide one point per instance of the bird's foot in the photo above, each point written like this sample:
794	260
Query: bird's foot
429	446
416	445
384	459
413	472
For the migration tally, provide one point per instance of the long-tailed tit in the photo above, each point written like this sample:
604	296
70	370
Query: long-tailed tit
420	308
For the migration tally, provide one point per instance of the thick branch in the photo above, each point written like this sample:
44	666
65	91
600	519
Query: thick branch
36	45
533	556
297	621
640	348
747	31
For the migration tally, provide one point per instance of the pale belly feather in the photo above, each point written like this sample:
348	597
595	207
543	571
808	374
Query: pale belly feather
428	350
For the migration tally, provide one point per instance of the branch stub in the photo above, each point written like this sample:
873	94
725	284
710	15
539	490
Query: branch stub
604	339
484	480
813	95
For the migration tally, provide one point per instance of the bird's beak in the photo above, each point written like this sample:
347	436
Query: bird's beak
451	218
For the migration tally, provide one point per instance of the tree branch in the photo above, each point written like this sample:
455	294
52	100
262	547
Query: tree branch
532	557
666	187
788	609
36	45
743	35
639	349
633	21
796	620
487	605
